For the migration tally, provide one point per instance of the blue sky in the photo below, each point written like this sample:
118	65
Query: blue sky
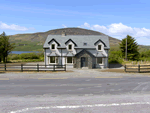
116	18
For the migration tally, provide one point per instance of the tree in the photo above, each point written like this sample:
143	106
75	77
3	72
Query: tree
132	48
5	47
115	56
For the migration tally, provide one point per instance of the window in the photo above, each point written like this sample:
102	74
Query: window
53	46
52	59
84	44
99	60
99	47
69	59
70	47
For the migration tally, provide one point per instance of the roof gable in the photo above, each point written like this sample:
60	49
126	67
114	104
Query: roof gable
84	50
71	41
53	40
100	41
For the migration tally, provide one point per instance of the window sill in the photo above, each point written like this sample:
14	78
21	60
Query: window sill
99	50
100	64
69	63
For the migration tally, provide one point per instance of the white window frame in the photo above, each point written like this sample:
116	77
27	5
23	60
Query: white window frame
97	60
56	58
67	60
101	47
71	47
54	46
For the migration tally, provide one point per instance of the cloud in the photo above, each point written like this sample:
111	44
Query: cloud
64	26
85	25
14	27
120	31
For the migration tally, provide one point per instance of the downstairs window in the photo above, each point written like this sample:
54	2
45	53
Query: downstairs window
99	60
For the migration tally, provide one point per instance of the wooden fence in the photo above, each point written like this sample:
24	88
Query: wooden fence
137	68
27	67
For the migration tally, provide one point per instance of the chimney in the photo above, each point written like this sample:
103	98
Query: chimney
63	34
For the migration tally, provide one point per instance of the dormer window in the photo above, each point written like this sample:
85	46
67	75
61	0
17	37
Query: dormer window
70	47
53	46
99	47
84	44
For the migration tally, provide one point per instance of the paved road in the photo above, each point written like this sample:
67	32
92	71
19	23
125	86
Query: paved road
74	95
75	86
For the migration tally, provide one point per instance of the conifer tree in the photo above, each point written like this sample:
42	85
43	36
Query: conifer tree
5	47
132	48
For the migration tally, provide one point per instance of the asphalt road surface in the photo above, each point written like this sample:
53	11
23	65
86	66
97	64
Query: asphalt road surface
76	95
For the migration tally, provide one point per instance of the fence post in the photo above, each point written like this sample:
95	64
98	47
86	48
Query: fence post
138	68
125	68
21	67
37	67
65	67
5	67
54	67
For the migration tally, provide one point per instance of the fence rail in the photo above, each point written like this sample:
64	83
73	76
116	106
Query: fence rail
27	67
137	68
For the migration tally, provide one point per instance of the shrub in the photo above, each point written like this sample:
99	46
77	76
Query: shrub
13	57
115	57
29	56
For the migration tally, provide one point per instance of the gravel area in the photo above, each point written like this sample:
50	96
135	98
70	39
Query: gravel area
71	73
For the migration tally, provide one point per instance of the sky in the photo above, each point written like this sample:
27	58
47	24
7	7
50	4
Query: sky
116	18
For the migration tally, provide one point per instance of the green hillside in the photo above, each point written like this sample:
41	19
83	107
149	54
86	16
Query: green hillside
35	41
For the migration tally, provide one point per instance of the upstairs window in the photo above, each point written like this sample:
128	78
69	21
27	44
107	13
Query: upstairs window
99	47
53	46
70	47
84	44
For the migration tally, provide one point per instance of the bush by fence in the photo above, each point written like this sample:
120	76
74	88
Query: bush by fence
26	57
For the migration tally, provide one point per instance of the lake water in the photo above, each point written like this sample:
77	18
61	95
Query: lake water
19	52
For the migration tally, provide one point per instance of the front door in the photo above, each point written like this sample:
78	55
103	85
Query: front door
83	62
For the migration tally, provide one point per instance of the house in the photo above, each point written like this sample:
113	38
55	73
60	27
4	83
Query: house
77	51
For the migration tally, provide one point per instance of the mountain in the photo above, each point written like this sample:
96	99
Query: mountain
35	41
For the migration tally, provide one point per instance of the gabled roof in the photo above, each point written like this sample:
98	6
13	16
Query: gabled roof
84	50
53	40
69	54
71	41
100	54
53	54
79	40
100	41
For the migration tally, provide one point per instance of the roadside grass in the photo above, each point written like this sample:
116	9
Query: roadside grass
136	62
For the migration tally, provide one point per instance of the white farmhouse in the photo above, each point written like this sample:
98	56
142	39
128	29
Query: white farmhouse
77	51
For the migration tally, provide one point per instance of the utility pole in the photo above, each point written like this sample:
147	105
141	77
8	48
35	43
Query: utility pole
126	49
